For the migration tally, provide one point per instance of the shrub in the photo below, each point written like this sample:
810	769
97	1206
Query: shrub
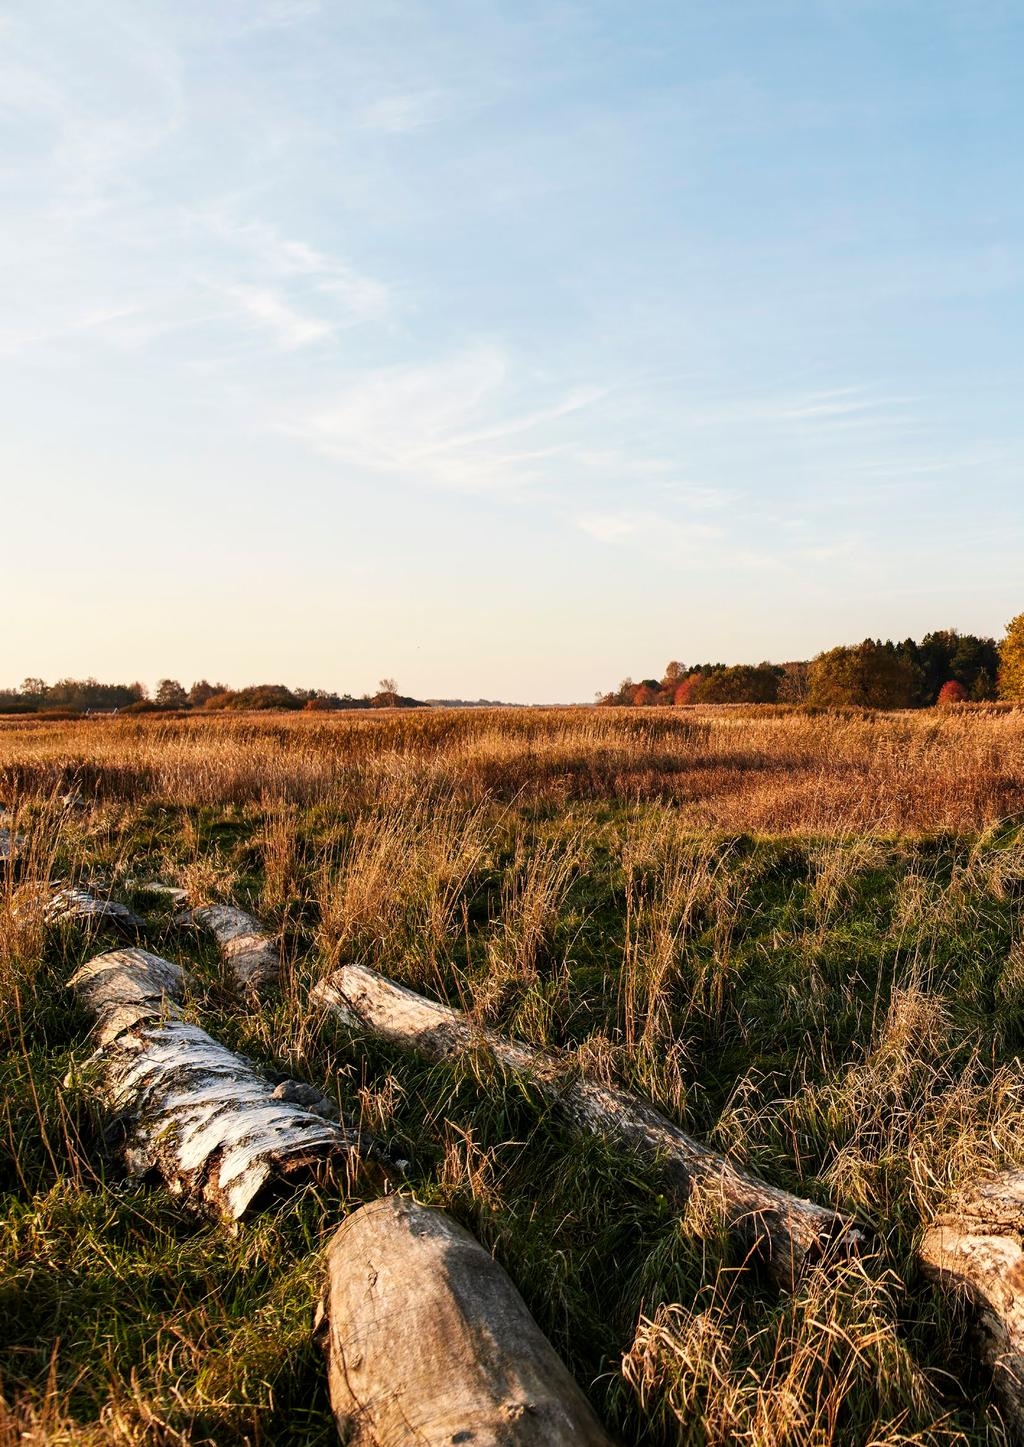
951	692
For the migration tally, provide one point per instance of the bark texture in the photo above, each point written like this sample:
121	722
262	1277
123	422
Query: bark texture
80	906
11	846
977	1250
252	955
216	1129
786	1231
428	1341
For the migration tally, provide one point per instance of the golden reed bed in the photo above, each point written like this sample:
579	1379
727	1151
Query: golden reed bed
759	770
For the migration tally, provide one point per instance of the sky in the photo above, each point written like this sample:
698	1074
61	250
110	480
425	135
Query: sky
505	349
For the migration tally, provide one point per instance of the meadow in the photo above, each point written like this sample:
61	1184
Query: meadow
798	933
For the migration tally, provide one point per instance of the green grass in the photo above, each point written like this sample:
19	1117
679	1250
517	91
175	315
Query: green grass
843	1016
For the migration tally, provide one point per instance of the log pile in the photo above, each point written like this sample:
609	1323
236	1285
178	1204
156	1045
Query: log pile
211	1124
428	1341
787	1232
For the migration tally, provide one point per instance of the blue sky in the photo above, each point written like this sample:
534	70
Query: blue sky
505	348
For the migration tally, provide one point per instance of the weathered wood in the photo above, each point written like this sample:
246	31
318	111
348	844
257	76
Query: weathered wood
207	1120
73	904
251	954
786	1231
428	1341
170	892
12	847
977	1251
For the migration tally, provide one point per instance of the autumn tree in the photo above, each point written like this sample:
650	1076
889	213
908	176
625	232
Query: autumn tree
170	694
869	674
794	685
1011	661
202	690
951	692
685	692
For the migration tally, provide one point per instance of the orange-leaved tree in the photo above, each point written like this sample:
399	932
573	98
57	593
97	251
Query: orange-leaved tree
951	692
1011	661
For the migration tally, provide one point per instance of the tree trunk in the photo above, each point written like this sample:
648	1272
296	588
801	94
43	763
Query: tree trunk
787	1232
252	956
976	1250
428	1341
80	906
206	1119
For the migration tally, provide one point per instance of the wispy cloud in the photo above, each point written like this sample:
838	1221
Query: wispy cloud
646	526
461	423
403	112
290	328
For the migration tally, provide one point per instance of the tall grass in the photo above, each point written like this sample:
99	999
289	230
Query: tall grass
733	770
801	937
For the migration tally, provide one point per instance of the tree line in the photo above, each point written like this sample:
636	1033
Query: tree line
946	667
87	695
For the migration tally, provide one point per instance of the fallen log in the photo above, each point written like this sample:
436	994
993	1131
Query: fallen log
211	1124
169	892
976	1250
12	847
252	955
428	1341
787	1232
75	905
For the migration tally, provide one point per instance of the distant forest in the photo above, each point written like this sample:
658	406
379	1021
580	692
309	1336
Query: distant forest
86	695
946	667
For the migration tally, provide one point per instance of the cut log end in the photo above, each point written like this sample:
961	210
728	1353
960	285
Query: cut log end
976	1251
427	1340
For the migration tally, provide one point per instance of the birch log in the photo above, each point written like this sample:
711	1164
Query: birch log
206	1119
12	846
977	1251
428	1341
72	904
786	1231
252	955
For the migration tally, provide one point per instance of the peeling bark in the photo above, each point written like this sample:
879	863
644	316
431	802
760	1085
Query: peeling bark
206	1119
977	1250
252	955
428	1341
80	906
787	1232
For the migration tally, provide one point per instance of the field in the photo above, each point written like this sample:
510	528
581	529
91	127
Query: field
799	935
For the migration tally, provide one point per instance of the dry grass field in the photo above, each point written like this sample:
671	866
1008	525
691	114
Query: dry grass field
800	935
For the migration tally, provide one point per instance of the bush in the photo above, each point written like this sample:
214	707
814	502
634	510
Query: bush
951	692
